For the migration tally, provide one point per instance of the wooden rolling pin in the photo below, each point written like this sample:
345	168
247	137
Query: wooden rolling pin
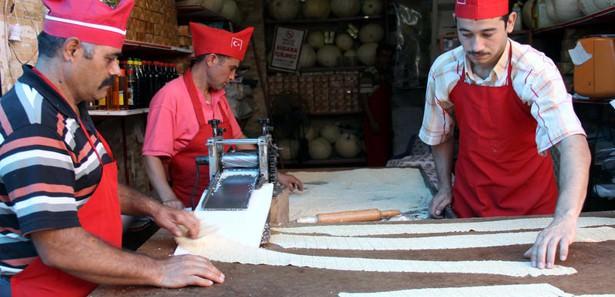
364	215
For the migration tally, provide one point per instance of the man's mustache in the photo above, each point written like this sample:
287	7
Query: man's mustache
108	82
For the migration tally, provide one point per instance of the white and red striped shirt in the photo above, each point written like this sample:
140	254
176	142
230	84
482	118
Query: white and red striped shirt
536	81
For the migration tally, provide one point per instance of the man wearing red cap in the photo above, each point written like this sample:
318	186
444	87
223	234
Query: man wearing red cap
511	106
60	200
177	124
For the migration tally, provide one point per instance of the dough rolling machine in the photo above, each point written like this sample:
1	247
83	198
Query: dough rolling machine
234	174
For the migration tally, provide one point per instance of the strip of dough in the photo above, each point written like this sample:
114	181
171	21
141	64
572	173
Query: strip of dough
428	243
530	290
222	250
486	226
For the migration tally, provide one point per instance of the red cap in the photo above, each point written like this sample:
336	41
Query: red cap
208	40
481	9
89	20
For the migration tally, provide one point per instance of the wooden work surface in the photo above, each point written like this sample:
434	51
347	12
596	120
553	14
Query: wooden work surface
594	262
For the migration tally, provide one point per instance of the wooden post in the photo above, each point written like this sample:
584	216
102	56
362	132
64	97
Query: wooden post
278	213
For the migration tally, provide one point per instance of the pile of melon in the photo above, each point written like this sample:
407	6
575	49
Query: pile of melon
330	137
285	10
342	50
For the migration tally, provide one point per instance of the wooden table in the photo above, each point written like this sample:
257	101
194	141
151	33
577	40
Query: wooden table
594	262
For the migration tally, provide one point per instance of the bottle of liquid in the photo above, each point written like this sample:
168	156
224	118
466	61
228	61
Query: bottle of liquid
115	93
139	82
130	87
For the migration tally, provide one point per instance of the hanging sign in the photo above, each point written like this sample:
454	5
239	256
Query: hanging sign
286	48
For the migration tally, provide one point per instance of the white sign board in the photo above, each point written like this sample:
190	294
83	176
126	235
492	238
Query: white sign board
286	48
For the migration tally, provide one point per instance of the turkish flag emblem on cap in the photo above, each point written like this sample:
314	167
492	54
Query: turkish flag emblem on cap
208	40
481	9
89	20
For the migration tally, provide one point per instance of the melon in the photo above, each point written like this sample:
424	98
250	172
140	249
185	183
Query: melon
316	9
344	41
283	10
371	33
308	57
367	53
213	5
588	6
347	146
328	56
345	8
528	14
319	149
316	39
310	133
230	11
541	10
288	148
604	4
330	132
372	7
350	56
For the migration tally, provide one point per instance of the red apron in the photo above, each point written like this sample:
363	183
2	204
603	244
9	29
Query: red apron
499	171
101	217
182	167
378	144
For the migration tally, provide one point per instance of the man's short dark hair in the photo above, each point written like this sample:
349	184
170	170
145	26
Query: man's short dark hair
511	5
49	46
200	58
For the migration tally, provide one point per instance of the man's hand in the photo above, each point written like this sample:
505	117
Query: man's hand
442	199
188	270
291	182
171	219
559	234
173	203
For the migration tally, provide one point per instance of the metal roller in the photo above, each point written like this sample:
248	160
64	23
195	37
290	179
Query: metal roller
240	159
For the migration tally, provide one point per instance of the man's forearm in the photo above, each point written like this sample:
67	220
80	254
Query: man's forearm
443	157
134	203
575	159
158	178
92	259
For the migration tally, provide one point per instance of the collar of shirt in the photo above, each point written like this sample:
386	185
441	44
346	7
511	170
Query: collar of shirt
214	95
38	81
498	72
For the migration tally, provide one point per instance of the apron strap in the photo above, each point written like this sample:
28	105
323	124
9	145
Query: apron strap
509	70
194	97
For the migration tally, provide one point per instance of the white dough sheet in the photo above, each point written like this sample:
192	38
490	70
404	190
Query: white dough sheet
525	290
429	243
242	226
387	188
521	290
223	250
434	228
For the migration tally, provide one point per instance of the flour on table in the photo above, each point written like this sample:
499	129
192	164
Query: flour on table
429	243
387	188
457	226
529	290
222	250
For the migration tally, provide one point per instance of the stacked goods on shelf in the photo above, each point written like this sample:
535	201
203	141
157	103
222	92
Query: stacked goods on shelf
286	10
325	92
184	37
544	13
332	138
136	85
345	46
225	8
153	21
